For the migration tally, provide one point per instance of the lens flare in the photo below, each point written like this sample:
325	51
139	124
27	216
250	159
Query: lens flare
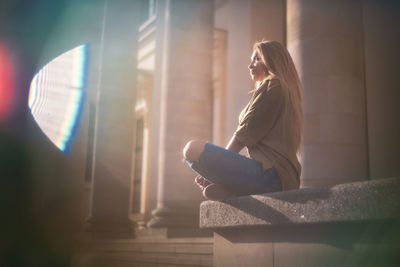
56	96
7	86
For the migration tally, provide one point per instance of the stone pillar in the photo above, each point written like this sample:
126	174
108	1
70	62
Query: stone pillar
271	13
326	42
185	107
382	42
114	121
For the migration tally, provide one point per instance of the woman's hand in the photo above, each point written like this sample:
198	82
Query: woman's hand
234	145
201	182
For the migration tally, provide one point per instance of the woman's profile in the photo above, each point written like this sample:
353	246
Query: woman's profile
270	127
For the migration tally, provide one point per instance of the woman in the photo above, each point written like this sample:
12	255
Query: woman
270	127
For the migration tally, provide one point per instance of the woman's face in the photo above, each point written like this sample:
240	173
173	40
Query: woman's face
258	71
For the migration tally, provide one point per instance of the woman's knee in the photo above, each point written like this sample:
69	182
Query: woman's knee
193	149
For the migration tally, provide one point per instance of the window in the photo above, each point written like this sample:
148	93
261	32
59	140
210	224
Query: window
137	179
148	9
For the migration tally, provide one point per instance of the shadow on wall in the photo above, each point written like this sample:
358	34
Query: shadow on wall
349	235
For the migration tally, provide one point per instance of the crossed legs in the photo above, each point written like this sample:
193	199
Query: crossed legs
192	152
193	149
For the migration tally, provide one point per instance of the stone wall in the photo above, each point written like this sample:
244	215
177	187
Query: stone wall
354	224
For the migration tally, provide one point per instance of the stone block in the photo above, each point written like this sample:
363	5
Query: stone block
235	254
354	224
370	200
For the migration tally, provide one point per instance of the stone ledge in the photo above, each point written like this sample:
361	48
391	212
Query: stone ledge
359	201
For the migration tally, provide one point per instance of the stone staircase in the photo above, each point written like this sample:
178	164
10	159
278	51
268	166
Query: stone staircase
146	252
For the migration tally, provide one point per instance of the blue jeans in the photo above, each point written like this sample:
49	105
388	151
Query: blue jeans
242	175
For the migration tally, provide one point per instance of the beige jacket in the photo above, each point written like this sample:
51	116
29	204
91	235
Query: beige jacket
266	129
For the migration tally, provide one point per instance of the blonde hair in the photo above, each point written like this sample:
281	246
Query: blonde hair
280	66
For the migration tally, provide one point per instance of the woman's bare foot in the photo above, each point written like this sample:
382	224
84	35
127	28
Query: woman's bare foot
201	182
217	192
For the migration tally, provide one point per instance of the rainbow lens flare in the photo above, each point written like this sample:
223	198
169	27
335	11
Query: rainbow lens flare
57	96
7	87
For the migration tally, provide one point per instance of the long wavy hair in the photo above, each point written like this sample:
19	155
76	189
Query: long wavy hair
280	66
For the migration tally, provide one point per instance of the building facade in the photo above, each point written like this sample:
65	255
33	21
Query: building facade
163	72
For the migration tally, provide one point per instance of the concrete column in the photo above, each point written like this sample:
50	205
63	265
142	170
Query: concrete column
268	20
325	40
114	120
238	52
382	42
185	107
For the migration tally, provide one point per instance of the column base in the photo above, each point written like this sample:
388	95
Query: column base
109	228
174	217
178	222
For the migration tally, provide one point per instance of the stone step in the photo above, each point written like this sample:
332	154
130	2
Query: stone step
153	240
156	247
159	258
121	263
148	252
